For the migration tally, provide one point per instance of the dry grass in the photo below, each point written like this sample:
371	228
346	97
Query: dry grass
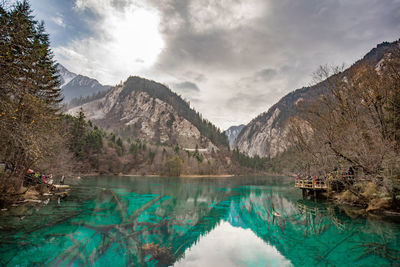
347	197
378	204
370	190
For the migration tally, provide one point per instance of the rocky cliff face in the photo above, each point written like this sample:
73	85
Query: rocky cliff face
132	112
232	133
265	135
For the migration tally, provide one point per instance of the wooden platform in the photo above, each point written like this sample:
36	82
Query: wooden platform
311	184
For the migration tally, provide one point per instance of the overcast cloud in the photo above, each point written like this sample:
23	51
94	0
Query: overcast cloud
232	59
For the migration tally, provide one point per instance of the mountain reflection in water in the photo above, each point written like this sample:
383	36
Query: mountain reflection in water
246	221
242	246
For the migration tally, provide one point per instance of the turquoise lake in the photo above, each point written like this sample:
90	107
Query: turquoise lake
150	221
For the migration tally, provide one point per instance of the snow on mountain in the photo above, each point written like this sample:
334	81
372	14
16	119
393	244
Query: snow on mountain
76	86
65	75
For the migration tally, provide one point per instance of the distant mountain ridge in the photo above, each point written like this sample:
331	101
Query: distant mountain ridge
76	86
265	135
232	133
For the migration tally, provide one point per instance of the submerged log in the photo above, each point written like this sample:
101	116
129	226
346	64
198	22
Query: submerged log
33	200
60	186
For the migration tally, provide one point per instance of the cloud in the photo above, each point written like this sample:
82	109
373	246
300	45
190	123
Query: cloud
206	15
246	101
125	40
244	54
199	77
265	74
58	20
253	56
187	86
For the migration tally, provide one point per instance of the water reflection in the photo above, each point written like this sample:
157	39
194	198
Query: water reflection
114	221
242	245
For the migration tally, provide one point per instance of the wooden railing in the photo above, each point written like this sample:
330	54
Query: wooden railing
311	184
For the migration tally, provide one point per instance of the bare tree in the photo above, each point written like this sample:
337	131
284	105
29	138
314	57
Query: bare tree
355	123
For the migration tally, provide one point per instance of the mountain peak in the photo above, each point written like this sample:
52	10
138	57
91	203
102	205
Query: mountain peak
65	75
150	110
76	85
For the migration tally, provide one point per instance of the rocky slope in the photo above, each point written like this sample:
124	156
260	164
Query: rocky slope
265	135
78	86
148	110
232	133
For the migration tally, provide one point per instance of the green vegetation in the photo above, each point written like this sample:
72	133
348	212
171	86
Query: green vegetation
119	146
150	157
197	155
134	149
255	162
283	163
29	94
173	167
82	139
94	141
176	149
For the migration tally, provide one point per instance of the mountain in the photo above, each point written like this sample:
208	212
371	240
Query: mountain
65	75
266	134
82	86
78	86
148	110
232	133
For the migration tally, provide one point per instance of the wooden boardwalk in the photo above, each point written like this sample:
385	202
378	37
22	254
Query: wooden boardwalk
335	181
311	184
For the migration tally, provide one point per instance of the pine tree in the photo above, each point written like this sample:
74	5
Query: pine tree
29	93
77	135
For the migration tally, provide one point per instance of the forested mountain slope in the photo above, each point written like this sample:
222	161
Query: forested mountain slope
145	109
266	134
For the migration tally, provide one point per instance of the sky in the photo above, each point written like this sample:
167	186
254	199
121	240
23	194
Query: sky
232	59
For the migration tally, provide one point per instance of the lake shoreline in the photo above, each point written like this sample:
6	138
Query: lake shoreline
164	176
357	210
225	175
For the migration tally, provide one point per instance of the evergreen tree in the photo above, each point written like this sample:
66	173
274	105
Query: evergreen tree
94	141
78	133
29	89
119	142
